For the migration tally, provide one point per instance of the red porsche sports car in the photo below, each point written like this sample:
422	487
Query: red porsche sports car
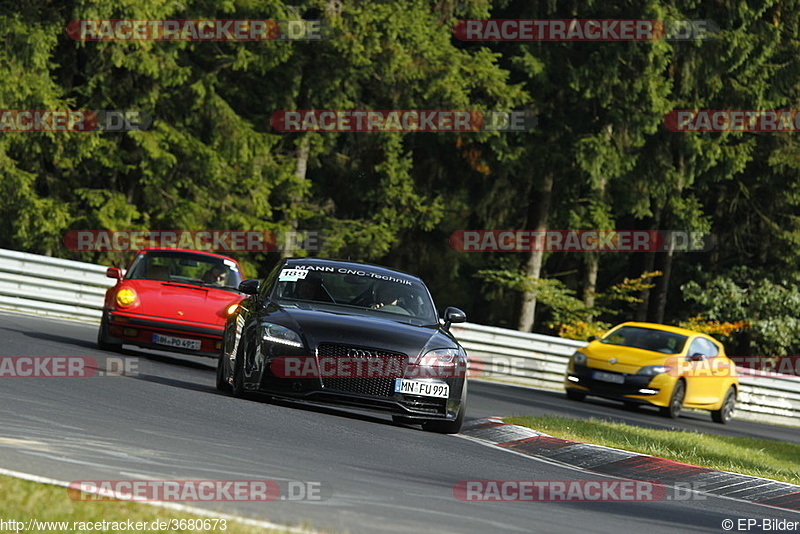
171	299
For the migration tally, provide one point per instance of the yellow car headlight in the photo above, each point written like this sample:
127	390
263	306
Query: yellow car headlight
653	370
126	297
232	308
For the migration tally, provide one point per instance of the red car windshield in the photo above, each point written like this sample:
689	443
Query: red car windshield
185	268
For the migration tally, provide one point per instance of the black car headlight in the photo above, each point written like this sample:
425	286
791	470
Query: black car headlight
652	370
275	333
438	357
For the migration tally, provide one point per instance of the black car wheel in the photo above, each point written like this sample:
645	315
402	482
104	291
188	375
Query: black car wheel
725	413
576	395
673	411
103	336
452	426
238	373
445	427
222	379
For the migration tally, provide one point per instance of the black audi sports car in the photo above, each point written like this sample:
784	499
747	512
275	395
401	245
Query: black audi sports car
350	334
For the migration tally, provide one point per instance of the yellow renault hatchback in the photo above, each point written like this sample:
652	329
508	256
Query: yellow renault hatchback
664	366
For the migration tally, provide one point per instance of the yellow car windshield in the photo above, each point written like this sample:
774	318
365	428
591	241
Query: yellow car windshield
647	339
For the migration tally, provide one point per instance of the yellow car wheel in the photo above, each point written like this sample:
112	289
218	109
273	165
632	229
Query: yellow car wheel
673	409
725	413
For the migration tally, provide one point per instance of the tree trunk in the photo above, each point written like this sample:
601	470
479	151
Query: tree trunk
592	260
590	280
290	240
642	310
662	287
539	212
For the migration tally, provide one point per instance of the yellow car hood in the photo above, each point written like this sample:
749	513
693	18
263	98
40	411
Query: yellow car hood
628	359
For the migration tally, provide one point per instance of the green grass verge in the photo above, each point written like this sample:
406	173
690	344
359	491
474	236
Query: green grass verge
23	500
766	458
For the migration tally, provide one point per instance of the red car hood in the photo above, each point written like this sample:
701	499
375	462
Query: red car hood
185	302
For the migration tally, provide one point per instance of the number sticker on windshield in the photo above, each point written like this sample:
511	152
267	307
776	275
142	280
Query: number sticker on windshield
292	275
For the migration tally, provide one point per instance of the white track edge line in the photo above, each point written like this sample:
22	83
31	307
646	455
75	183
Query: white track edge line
169	505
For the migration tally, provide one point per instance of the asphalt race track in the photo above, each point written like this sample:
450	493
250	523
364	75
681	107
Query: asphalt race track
166	421
494	399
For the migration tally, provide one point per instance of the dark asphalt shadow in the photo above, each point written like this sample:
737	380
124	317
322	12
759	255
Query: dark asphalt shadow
203	363
83	343
335	411
125	351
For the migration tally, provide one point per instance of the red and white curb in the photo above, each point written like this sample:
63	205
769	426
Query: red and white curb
631	465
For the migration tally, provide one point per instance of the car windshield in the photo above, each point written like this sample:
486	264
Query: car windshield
186	268
358	289
647	339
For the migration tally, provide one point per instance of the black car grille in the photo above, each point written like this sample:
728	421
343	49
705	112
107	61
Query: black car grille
373	387
433	406
631	385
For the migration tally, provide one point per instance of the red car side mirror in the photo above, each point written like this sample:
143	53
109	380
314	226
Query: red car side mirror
114	272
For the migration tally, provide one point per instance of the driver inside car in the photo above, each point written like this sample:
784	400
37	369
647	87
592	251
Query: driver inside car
389	298
215	275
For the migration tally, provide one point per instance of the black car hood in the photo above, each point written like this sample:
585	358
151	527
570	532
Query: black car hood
324	326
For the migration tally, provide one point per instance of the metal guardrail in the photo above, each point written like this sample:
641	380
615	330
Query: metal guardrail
52	286
55	287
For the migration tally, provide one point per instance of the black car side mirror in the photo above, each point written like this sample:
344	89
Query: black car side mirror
696	357
250	287
593	338
453	315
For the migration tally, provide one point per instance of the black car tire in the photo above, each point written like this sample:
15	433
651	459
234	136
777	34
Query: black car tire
631	405
222	380
238	373
726	411
103	336
576	395
673	411
448	427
